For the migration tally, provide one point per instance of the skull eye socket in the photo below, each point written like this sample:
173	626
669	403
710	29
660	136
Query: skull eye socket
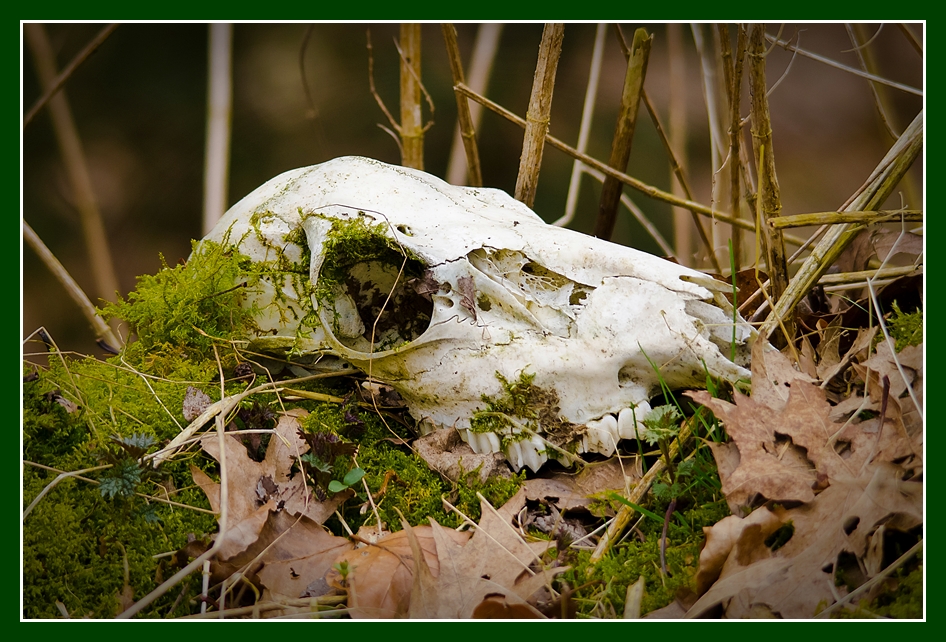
390	307
384	283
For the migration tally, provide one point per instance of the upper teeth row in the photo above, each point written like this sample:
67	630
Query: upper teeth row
600	436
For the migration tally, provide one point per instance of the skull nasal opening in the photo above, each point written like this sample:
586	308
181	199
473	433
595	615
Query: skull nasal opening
367	273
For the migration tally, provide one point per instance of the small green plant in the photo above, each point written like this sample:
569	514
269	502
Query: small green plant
352	477
661	426
127	472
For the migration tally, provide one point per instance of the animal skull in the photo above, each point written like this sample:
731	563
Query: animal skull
459	297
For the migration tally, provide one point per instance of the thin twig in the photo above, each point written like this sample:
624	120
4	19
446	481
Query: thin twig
67	72
851	70
467	129
374	91
623	132
537	115
99	327
637	184
584	128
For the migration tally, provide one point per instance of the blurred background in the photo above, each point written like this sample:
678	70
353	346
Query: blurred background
301	96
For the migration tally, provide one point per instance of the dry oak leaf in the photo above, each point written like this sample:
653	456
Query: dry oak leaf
300	553
252	484
445	452
257	493
496	562
380	575
785	454
798	579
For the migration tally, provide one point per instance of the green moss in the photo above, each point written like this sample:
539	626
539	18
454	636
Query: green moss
605	582
73	539
905	328
189	306
535	407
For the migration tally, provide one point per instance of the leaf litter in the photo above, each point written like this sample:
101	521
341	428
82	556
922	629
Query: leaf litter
822	467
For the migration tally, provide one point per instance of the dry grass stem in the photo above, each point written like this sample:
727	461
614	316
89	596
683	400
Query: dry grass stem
70	147
851	70
734	83
412	123
467	129
101	329
625	513
481	66
67	72
623	132
875	191
769	199
838	218
637	184
865	275
537	115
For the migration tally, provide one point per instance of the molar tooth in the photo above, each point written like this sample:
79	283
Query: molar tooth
533	453
626	420
514	455
473	439
494	445
603	435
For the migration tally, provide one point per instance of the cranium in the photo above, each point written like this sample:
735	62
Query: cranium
459	296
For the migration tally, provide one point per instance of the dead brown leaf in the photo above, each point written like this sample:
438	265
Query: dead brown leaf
794	581
301	552
495	562
273	522
445	452
380	576
252	484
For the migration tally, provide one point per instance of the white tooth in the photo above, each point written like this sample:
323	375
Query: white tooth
464	434
474	441
495	445
514	455
603	435
427	426
626	423
584	443
533	453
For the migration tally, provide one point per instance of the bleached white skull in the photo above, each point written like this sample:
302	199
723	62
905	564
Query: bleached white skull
467	303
